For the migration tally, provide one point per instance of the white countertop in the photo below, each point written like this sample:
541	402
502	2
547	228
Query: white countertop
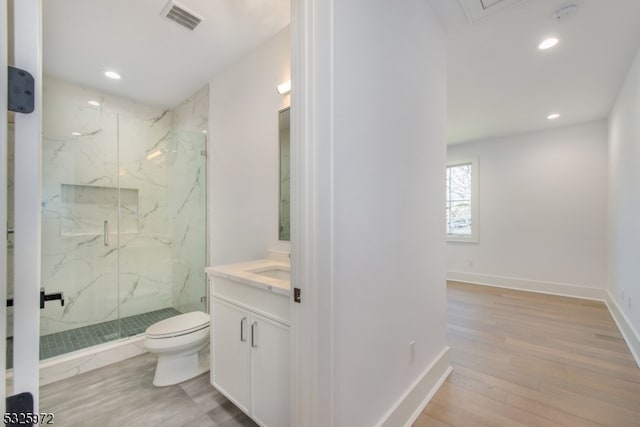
242	272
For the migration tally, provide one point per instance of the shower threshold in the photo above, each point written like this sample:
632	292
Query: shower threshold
88	336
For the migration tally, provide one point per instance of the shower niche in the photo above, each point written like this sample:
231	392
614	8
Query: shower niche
89	210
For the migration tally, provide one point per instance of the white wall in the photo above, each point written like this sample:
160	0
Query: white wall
243	153
624	219
386	204
543	198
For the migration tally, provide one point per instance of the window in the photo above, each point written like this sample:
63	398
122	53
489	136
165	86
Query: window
462	201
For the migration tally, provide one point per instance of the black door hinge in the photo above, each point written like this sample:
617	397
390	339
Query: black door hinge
296	295
21	90
18	407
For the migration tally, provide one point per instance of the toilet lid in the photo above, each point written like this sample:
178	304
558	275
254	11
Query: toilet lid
179	325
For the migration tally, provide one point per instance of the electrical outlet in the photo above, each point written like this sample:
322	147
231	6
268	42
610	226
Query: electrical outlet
470	262
412	351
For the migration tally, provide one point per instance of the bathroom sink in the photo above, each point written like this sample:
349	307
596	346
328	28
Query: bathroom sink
268	274
274	272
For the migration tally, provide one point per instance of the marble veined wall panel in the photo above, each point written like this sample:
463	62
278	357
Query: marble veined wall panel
189	226
187	201
146	281
192	115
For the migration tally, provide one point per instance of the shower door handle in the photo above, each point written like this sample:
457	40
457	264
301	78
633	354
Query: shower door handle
106	233
51	297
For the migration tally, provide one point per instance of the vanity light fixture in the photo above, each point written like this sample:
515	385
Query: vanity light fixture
284	88
94	103
548	43
112	75
553	116
154	154
76	133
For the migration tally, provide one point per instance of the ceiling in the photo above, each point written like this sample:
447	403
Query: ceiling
499	83
160	62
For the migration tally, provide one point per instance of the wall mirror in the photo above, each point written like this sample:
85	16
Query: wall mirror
284	230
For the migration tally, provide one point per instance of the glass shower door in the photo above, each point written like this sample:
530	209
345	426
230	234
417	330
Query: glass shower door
146	265
80	219
123	214
187	196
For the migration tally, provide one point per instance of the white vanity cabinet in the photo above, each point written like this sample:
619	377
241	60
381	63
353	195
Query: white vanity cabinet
270	372
230	372
250	347
250	366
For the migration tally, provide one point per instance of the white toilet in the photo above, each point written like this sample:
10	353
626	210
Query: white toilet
181	344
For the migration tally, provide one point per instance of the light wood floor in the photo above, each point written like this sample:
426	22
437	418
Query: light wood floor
526	359
519	359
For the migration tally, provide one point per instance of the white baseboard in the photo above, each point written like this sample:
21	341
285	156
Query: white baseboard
553	288
627	330
408	408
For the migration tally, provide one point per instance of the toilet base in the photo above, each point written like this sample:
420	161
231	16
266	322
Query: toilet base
175	368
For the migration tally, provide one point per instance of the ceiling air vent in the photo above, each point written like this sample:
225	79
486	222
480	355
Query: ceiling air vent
479	9
181	15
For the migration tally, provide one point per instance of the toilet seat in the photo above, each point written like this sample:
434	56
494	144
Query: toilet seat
178	325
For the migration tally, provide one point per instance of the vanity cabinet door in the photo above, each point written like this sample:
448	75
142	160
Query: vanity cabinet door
269	342
231	352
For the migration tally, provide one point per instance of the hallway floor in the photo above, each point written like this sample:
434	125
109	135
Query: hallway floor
527	359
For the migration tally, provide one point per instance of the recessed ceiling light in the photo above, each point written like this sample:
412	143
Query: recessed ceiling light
548	43
76	133
204	131
553	116
112	75
94	103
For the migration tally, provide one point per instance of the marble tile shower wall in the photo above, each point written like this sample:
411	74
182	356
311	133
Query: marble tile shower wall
154	155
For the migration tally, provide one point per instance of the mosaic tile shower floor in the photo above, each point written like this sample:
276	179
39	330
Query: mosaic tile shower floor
76	339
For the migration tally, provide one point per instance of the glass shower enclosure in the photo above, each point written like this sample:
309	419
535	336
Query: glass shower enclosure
123	214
